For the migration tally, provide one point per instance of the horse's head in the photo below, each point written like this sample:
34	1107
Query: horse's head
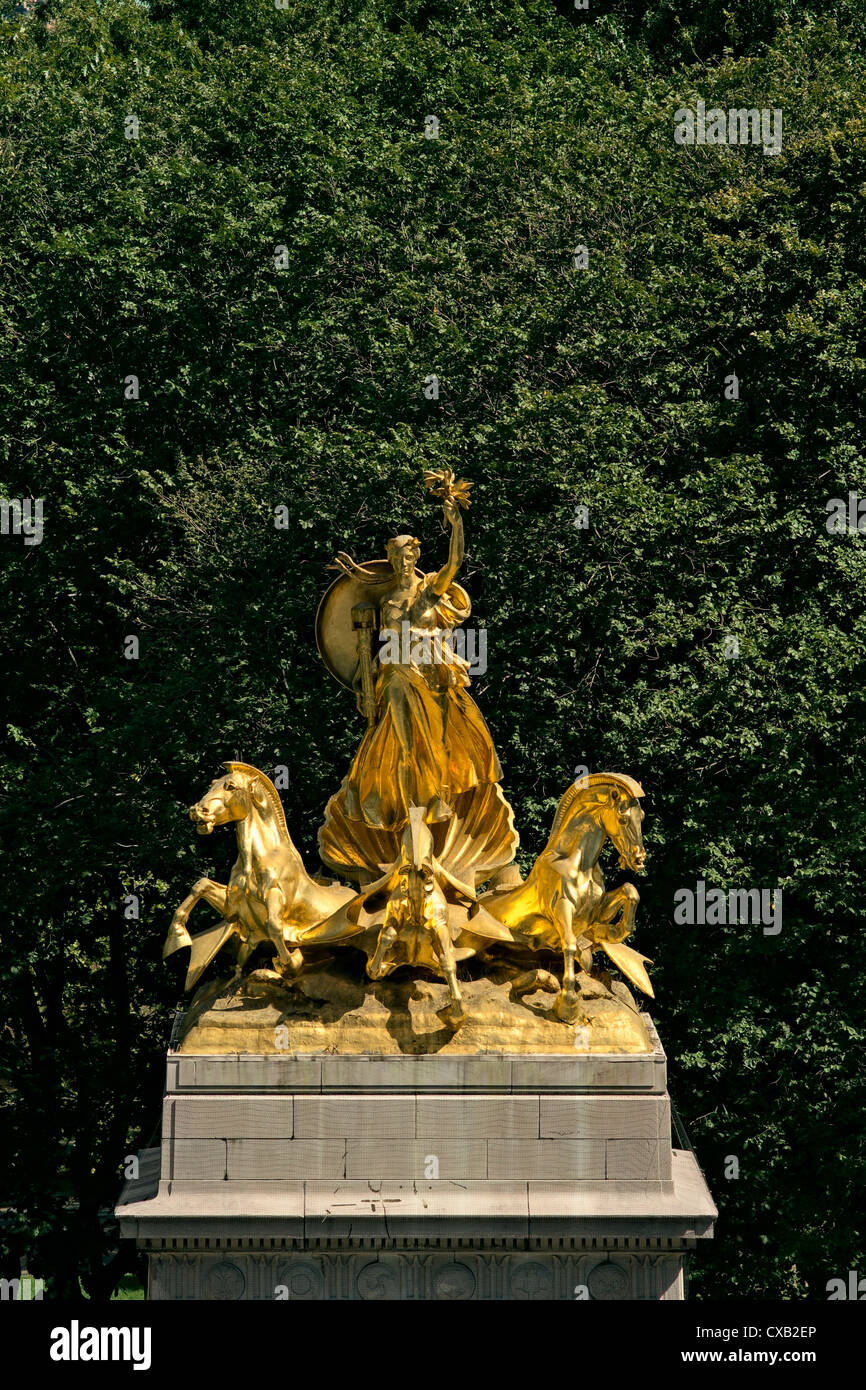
611	800
622	817
229	798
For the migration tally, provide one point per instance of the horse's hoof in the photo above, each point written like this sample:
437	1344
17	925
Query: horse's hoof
567	1006
454	1016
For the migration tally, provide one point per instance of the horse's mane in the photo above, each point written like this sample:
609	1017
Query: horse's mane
270	791
594	780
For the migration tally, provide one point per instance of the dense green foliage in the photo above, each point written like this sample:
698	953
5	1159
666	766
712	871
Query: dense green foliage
560	387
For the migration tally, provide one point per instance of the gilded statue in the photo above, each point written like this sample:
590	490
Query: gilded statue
422	830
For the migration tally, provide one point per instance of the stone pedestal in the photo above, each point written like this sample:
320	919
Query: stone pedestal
486	1176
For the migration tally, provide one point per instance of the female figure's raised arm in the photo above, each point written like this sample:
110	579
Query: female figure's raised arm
449	570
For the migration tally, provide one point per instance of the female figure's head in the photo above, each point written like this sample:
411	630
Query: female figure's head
404	553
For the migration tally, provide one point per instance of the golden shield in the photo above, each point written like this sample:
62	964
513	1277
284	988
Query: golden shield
336	636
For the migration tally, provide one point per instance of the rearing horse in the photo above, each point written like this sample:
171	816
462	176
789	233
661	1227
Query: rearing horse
269	895
563	901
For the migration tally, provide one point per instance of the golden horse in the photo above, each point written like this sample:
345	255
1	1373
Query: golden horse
269	895
563	902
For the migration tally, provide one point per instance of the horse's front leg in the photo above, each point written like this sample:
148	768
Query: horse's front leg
567	1005
625	900
455	1012
205	890
290	961
378	964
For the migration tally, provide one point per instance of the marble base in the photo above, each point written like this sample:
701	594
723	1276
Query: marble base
417	1177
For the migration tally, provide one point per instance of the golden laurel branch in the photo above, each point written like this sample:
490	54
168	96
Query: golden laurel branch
442	483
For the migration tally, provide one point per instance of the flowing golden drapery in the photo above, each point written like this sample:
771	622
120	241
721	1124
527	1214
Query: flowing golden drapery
430	742
429	746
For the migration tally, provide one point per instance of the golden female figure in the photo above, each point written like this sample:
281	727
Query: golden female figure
427	743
